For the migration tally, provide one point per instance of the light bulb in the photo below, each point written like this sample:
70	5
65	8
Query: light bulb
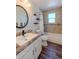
29	5
25	0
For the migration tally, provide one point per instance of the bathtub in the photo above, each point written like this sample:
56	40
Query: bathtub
55	38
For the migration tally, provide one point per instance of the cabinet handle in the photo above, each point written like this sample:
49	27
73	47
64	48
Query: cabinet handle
33	52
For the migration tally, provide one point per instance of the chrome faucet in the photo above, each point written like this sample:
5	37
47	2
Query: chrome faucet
23	32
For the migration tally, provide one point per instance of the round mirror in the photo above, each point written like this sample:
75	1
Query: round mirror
21	17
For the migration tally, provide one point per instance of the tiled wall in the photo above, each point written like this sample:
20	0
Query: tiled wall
53	28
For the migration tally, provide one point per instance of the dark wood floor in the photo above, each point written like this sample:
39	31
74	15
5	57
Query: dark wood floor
52	51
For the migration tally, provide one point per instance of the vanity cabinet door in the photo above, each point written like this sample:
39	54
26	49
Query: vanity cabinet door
28	55
38	48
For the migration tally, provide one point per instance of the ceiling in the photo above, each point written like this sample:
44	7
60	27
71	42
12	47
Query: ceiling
47	4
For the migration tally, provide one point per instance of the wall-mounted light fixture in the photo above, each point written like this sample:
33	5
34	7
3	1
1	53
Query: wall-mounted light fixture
26	2
29	5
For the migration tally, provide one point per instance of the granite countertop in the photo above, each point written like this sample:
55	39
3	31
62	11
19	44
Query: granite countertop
32	38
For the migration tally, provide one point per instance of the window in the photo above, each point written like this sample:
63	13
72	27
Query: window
51	17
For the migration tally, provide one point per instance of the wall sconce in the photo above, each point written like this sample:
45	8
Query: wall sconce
26	1
29	5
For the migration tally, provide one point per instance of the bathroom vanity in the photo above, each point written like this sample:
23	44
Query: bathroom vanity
31	48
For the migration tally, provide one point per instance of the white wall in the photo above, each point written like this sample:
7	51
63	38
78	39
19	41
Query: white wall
31	10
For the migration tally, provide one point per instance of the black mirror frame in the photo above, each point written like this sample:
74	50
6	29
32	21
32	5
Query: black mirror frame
26	16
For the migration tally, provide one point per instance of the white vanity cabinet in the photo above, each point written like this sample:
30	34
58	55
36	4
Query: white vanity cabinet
32	51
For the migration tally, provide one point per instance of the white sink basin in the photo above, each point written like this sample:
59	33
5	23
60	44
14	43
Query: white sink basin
21	40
